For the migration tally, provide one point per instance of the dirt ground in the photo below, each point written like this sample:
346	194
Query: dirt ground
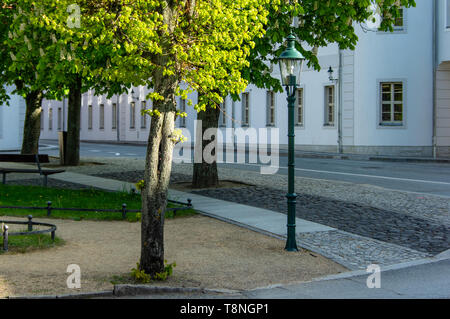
208	253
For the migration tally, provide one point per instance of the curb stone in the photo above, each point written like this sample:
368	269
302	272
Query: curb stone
106	293
130	290
133	290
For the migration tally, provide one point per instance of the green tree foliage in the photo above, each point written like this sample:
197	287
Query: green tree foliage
164	45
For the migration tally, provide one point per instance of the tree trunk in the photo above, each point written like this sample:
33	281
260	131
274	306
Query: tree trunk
157	176
205	174
32	125
72	155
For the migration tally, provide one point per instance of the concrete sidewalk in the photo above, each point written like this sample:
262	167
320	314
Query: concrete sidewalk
352	251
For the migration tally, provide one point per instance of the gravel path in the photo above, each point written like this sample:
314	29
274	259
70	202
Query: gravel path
208	254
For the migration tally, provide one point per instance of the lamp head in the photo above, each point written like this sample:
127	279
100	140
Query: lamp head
330	73
291	62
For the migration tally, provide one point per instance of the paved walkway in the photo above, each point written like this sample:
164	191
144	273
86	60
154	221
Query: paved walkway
350	250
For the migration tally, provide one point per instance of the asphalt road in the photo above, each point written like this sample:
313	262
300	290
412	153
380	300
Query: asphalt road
429	178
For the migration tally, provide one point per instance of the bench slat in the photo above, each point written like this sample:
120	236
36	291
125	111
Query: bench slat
24	170
43	158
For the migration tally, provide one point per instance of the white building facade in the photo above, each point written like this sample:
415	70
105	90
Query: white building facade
391	97
11	123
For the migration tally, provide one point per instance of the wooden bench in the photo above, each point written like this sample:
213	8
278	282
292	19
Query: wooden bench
34	158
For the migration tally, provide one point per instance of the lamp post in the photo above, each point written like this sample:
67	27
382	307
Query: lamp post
291	62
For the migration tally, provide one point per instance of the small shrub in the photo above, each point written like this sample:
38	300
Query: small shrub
140	185
142	277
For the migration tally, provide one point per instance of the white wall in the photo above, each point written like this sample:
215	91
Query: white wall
407	56
11	123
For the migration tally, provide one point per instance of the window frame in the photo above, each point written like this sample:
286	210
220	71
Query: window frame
271	119
101	113
114	116
326	109
50	118
59	115
297	107
42	120
182	109
398	29
143	115
447	14
132	115
245	120
391	124
223	110
90	117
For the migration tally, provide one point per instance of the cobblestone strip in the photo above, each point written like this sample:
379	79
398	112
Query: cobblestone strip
356	252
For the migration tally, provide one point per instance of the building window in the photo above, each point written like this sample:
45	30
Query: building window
102	117
182	110
391	103
90	117
329	105
50	119
114	116
245	109
59	119
132	115
223	111
299	107
143	115
448	14
270	108
399	22
42	118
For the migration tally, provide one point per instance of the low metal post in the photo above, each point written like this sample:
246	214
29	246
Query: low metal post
53	235
5	238
30	223
49	208
124	211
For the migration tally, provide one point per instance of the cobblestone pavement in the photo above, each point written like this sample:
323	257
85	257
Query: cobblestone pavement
400	229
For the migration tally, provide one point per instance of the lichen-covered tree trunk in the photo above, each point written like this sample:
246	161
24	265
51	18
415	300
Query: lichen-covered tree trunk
32	125
157	176
205	173
72	152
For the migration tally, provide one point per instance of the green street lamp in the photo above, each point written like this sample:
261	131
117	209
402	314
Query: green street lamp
291	62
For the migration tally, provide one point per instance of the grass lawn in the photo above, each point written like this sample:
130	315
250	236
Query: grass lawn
36	196
22	244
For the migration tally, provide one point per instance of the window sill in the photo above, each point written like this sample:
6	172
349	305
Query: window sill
395	31
390	124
